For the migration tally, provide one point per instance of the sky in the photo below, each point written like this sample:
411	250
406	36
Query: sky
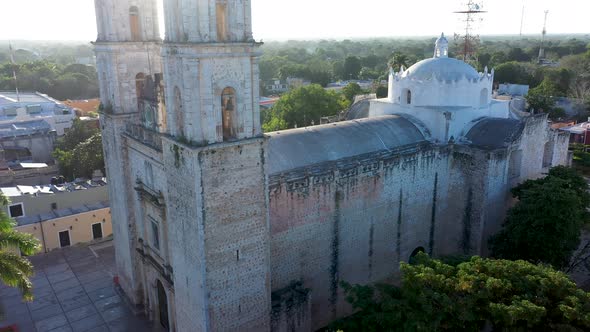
314	19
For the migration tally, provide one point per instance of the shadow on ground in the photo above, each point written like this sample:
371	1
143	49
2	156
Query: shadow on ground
74	291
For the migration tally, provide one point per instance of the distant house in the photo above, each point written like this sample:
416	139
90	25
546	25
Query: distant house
83	107
61	215
513	89
28	106
579	133
27	141
280	86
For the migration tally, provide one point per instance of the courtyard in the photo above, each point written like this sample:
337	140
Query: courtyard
74	291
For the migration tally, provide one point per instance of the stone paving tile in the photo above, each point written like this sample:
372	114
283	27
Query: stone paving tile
115	312
102	328
102	293
65	328
66	284
51	323
74	281
46	312
42	302
87	323
81	312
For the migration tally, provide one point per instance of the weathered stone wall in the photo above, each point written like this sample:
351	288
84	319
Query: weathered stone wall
355	220
236	235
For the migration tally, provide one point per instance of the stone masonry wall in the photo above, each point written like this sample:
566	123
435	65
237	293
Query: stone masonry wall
356	220
236	235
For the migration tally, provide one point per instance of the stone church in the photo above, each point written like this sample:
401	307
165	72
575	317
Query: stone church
219	227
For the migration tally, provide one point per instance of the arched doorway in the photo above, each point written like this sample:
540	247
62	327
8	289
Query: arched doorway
412	259
163	306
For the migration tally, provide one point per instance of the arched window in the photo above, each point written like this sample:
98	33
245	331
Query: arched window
548	155
228	111
407	96
515	164
483	98
221	17
178	112
162	306
139	84
134	23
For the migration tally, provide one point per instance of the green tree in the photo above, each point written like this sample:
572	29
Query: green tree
352	68
546	223
542	98
79	152
398	60
501	295
351	90
15	270
303	106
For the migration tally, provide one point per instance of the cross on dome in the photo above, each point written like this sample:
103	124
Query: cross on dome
441	47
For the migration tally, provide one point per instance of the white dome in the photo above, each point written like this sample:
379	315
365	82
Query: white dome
446	69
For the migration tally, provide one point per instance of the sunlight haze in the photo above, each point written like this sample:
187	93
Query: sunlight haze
313	19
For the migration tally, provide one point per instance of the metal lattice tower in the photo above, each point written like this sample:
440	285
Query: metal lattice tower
542	48
469	41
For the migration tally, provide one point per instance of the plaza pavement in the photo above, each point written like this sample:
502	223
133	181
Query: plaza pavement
74	291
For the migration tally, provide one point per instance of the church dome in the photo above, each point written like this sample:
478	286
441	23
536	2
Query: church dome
443	68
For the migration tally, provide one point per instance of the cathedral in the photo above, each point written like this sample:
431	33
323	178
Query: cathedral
220	227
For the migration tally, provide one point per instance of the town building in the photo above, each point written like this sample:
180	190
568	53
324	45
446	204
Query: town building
219	227
61	215
30	106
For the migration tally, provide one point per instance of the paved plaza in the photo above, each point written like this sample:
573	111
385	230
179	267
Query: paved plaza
74	291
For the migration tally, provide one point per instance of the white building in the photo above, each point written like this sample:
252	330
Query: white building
28	106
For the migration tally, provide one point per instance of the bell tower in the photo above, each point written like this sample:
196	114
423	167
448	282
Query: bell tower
211	71
214	156
127	51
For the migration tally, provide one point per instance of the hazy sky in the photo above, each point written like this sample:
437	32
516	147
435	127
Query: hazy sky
306	19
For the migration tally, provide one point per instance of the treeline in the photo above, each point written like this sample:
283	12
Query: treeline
74	81
326	60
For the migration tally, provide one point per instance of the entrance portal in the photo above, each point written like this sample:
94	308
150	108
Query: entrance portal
163	306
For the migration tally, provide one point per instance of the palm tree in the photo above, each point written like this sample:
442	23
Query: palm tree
16	270
398	60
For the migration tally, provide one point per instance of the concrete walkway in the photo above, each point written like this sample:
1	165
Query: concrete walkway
74	291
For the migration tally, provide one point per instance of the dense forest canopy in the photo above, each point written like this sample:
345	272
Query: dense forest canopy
56	68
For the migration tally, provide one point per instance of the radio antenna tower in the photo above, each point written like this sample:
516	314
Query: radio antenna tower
469	41
542	49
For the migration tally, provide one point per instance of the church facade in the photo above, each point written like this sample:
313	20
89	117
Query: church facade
220	227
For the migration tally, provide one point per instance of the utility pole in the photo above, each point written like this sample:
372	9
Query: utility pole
521	19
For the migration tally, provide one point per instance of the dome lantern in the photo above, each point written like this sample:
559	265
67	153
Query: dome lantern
441	47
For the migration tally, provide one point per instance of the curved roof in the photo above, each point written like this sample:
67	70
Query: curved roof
295	148
495	133
443	68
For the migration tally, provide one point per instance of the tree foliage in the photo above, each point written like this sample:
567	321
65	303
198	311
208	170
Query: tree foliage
79	152
542	98
302	107
498	294
15	270
351	90
546	223
72	81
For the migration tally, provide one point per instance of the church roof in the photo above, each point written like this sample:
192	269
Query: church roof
495	133
296	148
447	69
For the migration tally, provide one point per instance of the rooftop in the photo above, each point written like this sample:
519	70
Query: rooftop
50	189
9	97
24	128
296	148
28	220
